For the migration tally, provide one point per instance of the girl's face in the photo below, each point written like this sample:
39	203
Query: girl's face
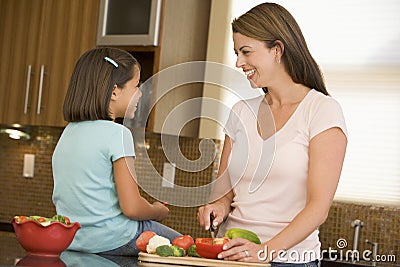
257	61
124	100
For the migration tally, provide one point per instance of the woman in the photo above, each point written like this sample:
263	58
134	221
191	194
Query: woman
289	145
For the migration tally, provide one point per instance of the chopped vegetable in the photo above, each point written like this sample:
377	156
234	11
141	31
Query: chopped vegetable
246	234
183	241
20	218
60	218
43	220
164	251
155	242
209	248
143	240
192	251
178	251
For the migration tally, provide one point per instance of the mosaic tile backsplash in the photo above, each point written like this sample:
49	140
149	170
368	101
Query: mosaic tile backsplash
19	195
380	225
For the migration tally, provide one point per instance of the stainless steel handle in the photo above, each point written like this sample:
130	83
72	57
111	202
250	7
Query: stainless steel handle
28	84
39	103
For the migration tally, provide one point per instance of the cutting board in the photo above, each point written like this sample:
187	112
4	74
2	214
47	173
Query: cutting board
191	261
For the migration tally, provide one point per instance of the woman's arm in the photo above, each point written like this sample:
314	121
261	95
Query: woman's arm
132	204
222	192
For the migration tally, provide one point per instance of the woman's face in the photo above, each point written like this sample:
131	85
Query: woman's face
257	61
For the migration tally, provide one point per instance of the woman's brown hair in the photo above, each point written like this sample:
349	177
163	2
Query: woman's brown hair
92	81
269	23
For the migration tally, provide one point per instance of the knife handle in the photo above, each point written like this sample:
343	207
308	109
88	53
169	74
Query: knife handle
212	227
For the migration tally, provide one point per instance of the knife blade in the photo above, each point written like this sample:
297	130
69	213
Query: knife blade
212	228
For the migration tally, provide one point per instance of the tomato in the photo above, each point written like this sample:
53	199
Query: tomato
41	219
67	220
183	241
143	240
20	218
206	248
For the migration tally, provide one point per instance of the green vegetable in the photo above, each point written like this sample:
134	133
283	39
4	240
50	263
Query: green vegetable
59	218
55	218
165	251
241	233
192	251
178	252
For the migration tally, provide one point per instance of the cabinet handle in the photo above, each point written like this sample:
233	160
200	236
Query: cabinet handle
28	84
39	103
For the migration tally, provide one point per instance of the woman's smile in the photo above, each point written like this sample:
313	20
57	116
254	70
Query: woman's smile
249	73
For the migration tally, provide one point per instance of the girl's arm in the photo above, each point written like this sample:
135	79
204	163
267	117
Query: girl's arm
132	204
222	191
326	152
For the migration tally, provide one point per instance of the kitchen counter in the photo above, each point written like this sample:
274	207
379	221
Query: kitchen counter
11	254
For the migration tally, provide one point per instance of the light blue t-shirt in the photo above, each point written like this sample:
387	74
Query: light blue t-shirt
84	188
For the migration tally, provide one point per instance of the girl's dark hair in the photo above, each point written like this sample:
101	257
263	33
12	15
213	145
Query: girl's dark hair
92	81
270	22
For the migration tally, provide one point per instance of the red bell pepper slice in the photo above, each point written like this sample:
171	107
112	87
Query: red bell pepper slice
206	248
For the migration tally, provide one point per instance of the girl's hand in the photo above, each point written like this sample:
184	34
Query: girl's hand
162	210
203	214
239	249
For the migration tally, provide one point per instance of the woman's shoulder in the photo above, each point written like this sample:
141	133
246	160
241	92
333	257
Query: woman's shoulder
318	100
324	112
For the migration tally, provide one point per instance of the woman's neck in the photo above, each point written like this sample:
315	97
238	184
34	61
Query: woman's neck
286	94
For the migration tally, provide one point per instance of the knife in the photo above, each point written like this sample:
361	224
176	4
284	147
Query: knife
212	228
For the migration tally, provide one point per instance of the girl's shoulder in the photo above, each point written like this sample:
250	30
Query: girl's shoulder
102	127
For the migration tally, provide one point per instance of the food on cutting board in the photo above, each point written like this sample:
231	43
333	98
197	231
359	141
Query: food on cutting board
242	233
165	251
150	242
210	248
143	240
155	242
173	250
183	241
192	251
44	220
170	250
178	251
184	245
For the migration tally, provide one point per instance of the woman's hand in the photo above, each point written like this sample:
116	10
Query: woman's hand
239	249
162	211
216	209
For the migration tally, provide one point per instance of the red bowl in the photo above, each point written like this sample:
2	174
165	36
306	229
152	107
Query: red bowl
41	240
207	249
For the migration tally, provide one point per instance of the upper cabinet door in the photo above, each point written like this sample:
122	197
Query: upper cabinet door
20	22
41	41
69	29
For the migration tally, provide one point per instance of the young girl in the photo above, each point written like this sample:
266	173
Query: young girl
93	162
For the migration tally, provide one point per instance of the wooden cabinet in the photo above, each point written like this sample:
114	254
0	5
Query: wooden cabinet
20	27
183	38
41	41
